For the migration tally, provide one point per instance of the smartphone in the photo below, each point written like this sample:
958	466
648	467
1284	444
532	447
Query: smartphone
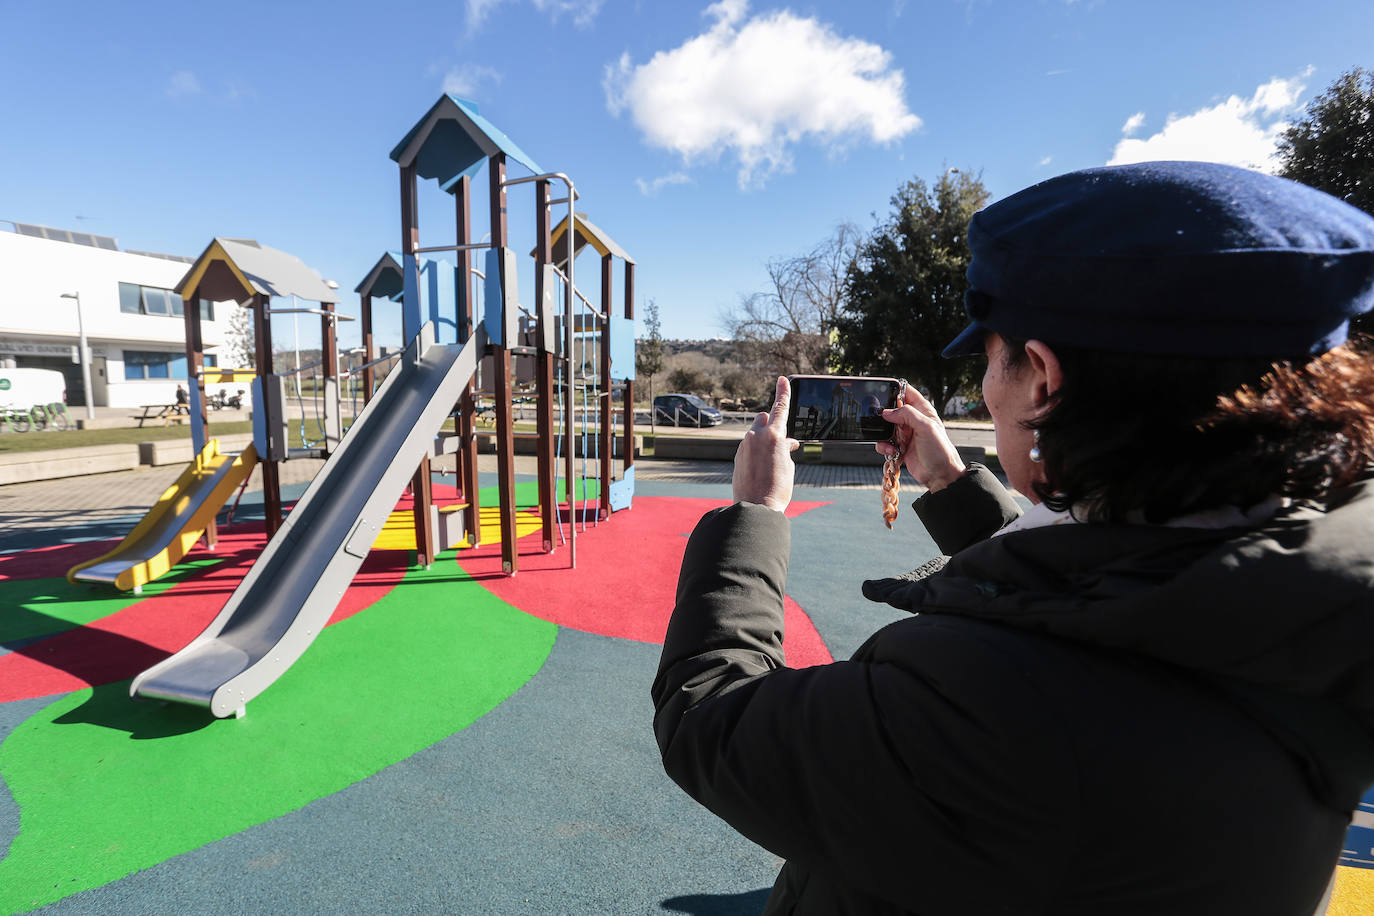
841	408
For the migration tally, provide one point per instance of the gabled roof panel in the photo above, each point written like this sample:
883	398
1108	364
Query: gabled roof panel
452	139
260	269
384	279
587	234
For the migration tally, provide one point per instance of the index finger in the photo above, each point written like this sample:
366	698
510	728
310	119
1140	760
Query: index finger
777	417
914	397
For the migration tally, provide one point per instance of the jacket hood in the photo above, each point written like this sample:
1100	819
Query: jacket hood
1281	615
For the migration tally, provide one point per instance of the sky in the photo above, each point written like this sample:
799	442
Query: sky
705	138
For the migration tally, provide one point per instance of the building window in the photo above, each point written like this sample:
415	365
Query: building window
207	310
130	299
149	300
144	364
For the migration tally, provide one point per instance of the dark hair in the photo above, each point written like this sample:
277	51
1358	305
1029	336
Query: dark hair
1170	435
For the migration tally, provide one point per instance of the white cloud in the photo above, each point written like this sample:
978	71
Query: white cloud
478	10
651	188
582	11
183	83
754	88
1133	124
1237	131
1044	162
465	79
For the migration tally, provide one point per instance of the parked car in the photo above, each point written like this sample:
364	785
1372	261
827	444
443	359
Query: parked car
685	410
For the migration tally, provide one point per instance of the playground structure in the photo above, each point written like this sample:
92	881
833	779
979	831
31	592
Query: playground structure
291	590
601	341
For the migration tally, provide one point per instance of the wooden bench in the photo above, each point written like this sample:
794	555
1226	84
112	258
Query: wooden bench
166	413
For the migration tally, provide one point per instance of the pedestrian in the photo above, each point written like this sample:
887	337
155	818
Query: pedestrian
183	401
1153	691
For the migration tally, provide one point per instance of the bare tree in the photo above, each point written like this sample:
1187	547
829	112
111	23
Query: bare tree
787	329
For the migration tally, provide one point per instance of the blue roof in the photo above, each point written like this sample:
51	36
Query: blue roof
453	140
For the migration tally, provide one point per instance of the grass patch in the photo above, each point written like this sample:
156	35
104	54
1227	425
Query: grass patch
85	438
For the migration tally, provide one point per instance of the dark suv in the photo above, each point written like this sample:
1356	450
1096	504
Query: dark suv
685	410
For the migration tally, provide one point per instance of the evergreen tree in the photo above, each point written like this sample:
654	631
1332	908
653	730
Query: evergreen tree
649	353
905	289
1332	148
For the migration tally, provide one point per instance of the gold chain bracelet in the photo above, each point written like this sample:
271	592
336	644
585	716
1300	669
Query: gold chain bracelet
892	468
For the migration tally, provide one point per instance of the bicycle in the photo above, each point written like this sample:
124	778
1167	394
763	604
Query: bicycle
50	416
17	418
58	418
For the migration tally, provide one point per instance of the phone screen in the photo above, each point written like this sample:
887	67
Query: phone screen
829	408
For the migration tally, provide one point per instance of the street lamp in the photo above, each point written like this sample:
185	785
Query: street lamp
85	355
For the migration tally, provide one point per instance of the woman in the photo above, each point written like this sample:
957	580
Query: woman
1151	694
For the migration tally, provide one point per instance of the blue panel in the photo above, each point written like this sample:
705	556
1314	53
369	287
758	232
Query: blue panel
447	153
437	281
410	301
491	306
623	491
622	348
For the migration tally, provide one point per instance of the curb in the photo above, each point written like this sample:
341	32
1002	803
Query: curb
52	464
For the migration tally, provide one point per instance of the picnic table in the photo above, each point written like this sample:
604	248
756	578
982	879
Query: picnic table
167	413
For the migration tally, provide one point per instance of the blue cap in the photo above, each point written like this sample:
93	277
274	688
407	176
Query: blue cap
1177	258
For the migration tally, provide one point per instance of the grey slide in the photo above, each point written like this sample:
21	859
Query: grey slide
288	595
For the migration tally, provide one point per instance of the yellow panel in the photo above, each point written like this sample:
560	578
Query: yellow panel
1354	893
398	532
214	253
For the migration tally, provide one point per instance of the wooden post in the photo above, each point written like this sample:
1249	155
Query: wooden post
628	448
544	390
195	375
467	437
603	388
421	484
329	343
505	427
369	354
271	481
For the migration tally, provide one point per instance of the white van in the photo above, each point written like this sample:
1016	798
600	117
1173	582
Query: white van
23	388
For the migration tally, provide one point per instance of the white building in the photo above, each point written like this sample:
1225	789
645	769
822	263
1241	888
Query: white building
133	320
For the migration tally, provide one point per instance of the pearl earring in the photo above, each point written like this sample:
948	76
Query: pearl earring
1034	453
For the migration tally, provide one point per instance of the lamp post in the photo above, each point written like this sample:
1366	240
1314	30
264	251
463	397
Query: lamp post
85	355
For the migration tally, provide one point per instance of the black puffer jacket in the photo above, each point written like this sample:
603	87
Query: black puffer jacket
1080	720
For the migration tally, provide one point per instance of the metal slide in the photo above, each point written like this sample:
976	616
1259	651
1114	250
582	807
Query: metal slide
173	525
287	597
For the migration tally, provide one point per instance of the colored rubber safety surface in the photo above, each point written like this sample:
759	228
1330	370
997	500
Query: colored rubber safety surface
411	657
388	724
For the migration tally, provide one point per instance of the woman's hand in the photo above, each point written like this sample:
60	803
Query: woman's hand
763	464
926	450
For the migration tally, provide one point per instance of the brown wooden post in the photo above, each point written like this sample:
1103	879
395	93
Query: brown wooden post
544	391
628	449
369	373
329	343
603	389
467	436
195	375
501	362
271	480
421	484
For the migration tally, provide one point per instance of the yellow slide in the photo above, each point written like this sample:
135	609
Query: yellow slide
174	524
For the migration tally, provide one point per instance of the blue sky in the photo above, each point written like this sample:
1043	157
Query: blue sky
705	138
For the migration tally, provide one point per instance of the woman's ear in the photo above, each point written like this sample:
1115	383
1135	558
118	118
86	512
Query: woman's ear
1045	375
